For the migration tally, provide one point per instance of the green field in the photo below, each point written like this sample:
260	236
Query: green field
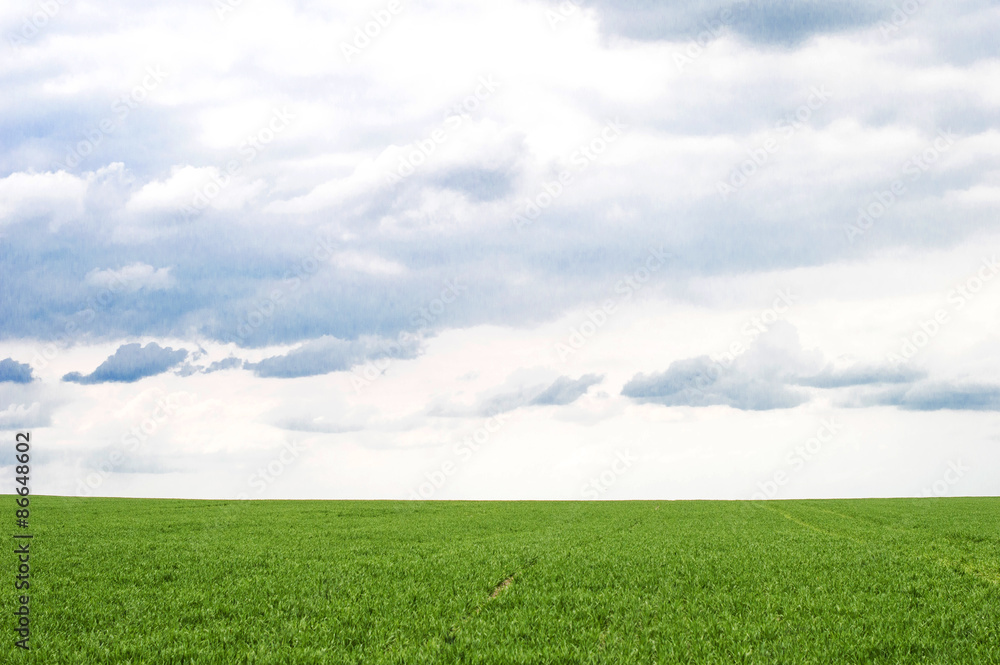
859	581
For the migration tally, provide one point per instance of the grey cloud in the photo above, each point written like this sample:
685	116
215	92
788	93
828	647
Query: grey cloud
565	390
221	276
767	376
24	416
784	22
938	396
560	392
479	184
131	362
317	425
699	382
227	363
14	372
330	354
860	375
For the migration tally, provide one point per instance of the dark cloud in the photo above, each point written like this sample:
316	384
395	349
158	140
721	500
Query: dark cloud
132	362
330	354
14	372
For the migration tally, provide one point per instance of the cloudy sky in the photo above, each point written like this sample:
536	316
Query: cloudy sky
453	249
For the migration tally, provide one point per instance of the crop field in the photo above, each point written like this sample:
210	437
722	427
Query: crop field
837	581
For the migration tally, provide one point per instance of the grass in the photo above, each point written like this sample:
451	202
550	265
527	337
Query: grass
852	581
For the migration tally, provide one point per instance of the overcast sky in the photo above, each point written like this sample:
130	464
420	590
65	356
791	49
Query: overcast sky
455	249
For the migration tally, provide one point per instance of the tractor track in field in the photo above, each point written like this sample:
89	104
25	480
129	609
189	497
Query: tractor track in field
826	532
954	565
498	589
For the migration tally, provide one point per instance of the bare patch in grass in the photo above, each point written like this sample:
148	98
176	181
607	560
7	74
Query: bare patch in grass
498	589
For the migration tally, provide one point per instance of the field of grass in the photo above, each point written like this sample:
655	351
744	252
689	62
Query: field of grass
859	581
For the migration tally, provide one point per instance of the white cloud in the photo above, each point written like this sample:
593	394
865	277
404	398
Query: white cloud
131	278
367	263
197	188
53	196
23	416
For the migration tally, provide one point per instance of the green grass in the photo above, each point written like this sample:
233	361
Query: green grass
861	581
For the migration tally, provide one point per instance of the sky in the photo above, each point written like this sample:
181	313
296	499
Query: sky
521	250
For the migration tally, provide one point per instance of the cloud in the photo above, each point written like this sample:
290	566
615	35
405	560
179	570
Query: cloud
187	369
131	278
859	375
367	263
57	196
565	390
451	217
186	187
23	416
131	362
560	392
226	363
785	22
701	382
478	183
14	372
767	376
938	396
330	354
317	424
